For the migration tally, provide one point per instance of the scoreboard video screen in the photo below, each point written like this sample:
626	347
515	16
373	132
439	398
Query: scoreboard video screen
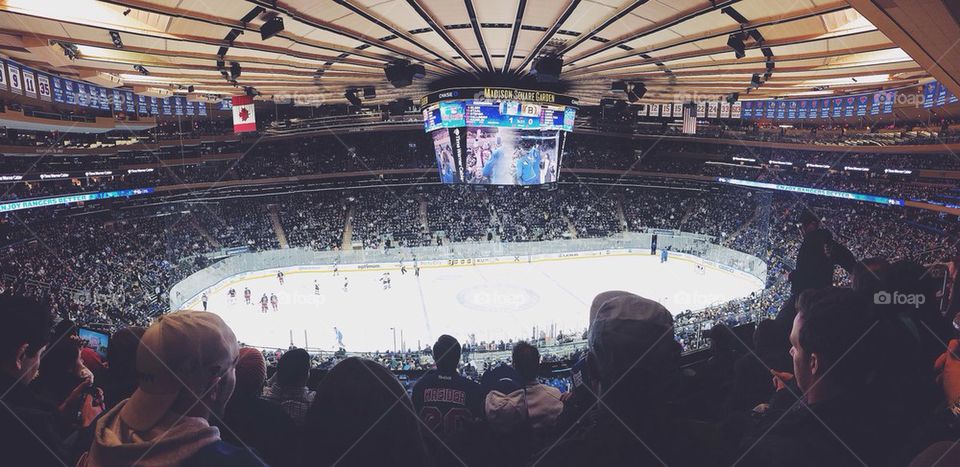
498	136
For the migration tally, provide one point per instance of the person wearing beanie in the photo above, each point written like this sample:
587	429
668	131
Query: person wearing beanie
252	421
288	386
186	373
634	363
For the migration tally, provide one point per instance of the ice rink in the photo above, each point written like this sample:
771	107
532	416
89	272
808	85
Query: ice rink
489	301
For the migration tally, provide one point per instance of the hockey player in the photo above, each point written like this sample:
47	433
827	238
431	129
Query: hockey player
274	302
203	298
232	294
345	283
246	295
264	301
316	287
280	277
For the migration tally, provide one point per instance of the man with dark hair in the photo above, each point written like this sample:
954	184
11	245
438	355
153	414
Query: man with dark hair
445	400
543	402
27	422
288	387
835	421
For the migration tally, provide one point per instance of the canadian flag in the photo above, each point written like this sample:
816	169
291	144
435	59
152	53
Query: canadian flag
244	118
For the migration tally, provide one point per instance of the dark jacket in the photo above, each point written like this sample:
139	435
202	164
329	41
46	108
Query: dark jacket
263	426
29	427
843	431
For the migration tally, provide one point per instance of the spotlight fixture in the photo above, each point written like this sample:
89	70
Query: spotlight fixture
235	70
638	89
115	37
618	86
735	42
190	88
755	80
733	97
271	27
126	12
69	50
352	97
141	69
547	69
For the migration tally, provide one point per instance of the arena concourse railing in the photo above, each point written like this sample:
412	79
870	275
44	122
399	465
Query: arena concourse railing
681	244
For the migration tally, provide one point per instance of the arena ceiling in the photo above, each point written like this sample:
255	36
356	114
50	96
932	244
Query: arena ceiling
675	47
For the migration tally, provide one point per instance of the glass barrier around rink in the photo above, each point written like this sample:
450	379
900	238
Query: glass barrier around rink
677	242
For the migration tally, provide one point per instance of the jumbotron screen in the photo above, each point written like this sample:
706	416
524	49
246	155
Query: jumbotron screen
498	136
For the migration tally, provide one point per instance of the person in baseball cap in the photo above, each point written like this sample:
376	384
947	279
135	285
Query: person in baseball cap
186	373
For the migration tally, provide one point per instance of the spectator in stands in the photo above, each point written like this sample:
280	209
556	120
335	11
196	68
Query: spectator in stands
28	423
445	400
542	401
636	362
120	380
814	269
835	421
254	422
185	363
61	374
362	417
288	386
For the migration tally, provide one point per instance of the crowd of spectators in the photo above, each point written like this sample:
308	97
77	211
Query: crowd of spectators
838	377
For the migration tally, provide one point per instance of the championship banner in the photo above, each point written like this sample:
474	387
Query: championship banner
43	87
177	106
3	75
929	94
244	115
104	99
142	105
82	94
70	92
735	110
129	104
58	95
117	101
16	83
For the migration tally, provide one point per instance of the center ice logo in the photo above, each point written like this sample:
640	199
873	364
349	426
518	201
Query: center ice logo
498	297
